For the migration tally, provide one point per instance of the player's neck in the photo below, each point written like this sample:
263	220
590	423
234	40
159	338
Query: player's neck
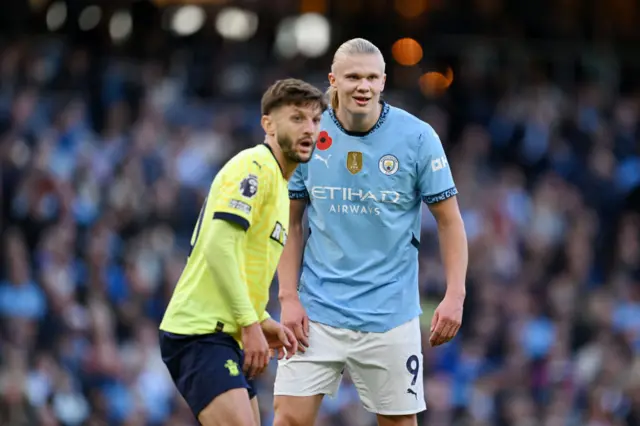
287	167
358	122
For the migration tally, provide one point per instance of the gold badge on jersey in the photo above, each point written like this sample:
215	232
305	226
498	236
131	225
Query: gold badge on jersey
354	162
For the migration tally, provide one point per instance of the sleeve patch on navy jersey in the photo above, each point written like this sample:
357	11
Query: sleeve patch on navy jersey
249	186
298	195
239	205
441	196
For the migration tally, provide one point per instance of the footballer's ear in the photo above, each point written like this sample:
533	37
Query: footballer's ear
384	81
332	79
268	124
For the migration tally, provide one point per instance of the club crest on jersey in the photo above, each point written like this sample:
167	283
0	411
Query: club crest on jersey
249	186
354	162
279	234
388	164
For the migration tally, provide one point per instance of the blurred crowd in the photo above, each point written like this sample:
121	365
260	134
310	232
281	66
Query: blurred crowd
104	167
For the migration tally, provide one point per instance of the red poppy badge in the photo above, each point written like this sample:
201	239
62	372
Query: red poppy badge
324	141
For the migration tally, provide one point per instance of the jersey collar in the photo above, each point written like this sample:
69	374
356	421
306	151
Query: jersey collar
266	145
383	116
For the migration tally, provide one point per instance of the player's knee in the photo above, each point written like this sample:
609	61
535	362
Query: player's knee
282	416
287	414
402	420
287	418
280	419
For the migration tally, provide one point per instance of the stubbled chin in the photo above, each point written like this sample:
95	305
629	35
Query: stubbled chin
304	158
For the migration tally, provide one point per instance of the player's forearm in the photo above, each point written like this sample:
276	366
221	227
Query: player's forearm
224	257
289	266
454	251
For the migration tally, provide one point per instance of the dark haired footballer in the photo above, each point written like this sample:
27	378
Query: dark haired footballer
216	335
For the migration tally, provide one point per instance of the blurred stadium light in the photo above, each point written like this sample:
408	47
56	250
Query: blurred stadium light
37	5
56	16
120	26
308	34
410	8
312	33
89	18
407	51
188	20
236	24
434	83
317	6
286	45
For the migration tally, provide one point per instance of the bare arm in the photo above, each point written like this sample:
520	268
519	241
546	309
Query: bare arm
453	245
293	314
289	266
447	319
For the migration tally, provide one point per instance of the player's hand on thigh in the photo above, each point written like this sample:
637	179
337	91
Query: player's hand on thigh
256	350
446	320
294	317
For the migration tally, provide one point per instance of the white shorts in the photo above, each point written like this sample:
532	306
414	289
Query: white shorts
386	368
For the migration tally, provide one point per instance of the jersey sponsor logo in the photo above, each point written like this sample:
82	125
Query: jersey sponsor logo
249	186
239	205
279	234
354	162
324	141
321	158
439	163
388	164
354	200
232	366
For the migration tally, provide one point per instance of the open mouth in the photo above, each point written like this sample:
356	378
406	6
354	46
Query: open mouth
361	100
306	144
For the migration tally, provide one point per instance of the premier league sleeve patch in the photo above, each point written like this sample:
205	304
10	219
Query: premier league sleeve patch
249	186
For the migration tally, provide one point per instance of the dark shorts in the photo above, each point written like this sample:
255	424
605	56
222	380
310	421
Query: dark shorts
203	367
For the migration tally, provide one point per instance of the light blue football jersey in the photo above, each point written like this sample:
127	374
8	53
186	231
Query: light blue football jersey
365	192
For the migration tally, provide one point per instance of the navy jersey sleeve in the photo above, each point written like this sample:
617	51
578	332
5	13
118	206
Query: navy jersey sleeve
297	188
434	174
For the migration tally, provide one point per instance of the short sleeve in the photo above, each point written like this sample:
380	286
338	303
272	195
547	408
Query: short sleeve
241	193
297	188
434	174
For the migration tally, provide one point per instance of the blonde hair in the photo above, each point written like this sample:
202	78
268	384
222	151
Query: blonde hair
355	46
